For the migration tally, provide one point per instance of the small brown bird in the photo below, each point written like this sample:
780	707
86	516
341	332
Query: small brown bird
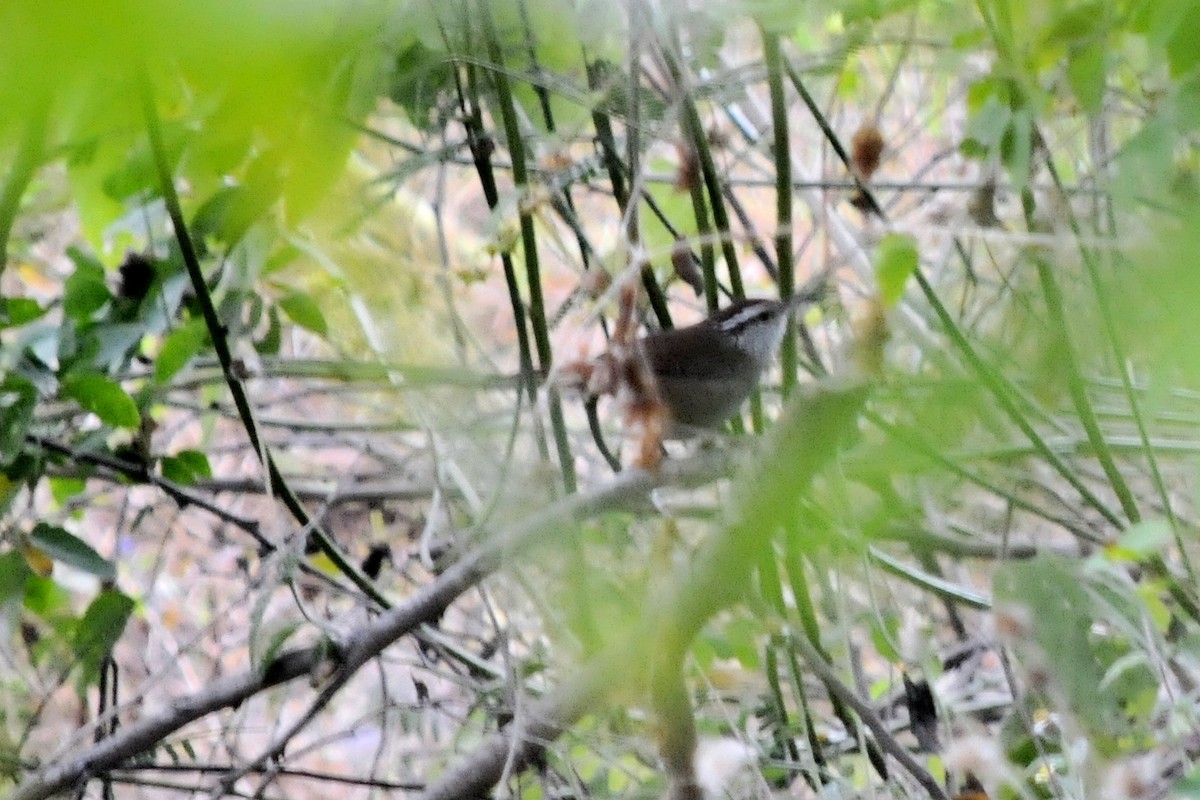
704	372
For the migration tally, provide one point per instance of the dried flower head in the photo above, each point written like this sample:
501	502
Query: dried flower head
866	151
687	174
686	268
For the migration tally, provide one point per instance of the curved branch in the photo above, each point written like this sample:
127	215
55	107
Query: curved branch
804	441
151	729
139	473
626	491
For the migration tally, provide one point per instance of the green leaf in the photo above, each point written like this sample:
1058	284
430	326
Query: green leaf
99	629
1061	604
228	214
885	631
113	345
931	583
84	293
103	397
1075	22
990	113
47	599
895	262
14	573
63	489
1187	787
178	348
16	311
1183	47
420	75
1141	540
1156	610
1086	73
68	549
18	397
186	466
270	342
304	311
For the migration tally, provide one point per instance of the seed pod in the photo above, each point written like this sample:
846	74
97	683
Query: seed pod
687	175
686	267
866	150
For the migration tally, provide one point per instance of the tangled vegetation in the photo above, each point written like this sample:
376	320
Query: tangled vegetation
298	497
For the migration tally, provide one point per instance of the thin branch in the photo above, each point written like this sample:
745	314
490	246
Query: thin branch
218	335
781	150
427	604
804	440
153	727
138	472
529	243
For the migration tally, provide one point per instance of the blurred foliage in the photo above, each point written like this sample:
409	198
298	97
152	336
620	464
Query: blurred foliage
306	213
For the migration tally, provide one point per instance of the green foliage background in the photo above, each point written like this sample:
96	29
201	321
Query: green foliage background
1020	455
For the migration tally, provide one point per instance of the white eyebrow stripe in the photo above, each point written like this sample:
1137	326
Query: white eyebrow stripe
741	316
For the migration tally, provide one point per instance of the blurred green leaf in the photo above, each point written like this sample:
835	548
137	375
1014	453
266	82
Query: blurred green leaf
885	629
1074	22
419	79
178	349
895	262
304	311
270	342
103	397
932	583
1087	73
109	346
14	573
18	397
66	548
1151	594
1063	605
99	629
1187	787
233	78
228	214
138	175
1183	45
64	488
990	107
47	599
268	641
16	311
1016	148
1141	540
86	291
186	466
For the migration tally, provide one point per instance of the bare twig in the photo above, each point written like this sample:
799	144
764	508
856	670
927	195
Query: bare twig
802	444
217	334
425	605
139	472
